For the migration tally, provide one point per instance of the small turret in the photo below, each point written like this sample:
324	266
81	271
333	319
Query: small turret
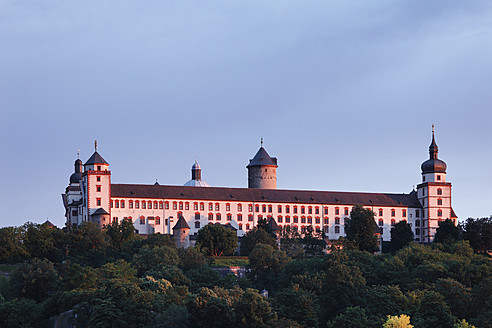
181	233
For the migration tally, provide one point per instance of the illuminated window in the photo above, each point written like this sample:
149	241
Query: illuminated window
175	206
187	206
210	206
250	207
166	204
217	206
202	207
149	205
155	205
157	220
195	206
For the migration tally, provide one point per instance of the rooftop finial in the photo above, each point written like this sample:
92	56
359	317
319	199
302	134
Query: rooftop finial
433	129
261	141
95	145
78	153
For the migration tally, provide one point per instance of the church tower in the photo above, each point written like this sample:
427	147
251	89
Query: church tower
72	198
262	170
97	189
434	193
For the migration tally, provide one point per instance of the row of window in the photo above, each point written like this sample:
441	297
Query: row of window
137	204
142	220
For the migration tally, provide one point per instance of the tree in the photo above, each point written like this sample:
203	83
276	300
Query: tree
119	233
352	317
479	233
360	229
447	233
217	240
256	236
190	258
36	280
147	258
394	321
433	312
266	263
12	248
401	235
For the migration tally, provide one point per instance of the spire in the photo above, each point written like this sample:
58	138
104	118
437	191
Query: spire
95	145
433	147
78	153
261	142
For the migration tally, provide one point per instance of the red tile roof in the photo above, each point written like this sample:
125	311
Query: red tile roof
264	195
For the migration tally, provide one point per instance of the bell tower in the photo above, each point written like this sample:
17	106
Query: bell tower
434	194
97	189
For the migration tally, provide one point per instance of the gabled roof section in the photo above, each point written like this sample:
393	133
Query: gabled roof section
95	159
181	224
262	158
265	195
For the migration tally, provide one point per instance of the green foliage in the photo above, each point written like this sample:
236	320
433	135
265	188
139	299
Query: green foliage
352	317
12	248
479	233
433	312
463	324
360	229
22	313
266	264
394	321
119	233
255	236
291	243
147	257
298	305
447	232
191	258
217	240
169	272
401	236
230	261
36	280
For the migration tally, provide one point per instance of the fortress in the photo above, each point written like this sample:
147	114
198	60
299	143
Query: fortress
91	196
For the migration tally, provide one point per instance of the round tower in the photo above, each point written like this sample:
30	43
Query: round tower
181	232
262	170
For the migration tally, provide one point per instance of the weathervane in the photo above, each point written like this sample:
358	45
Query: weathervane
95	145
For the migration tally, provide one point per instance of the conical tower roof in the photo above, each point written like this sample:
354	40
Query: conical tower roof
95	159
262	158
181	224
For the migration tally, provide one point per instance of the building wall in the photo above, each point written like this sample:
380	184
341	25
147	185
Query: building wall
262	177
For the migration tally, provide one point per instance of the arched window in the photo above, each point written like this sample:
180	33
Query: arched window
296	220
337	211
279	219
229	217
337	229
210	216
439	191
250	217
327	220
318	220
175	205
337	220
287	209
287	219
310	210
393	222
439	201
247	226
161	205
439	213
310	220
345	211
303	219
393	212
239	217
381	222
218	217
240	226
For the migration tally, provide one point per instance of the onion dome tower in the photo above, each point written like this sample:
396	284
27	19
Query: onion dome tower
262	170
434	194
196	177
433	169
77	175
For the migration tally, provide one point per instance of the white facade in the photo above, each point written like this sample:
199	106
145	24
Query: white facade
156	208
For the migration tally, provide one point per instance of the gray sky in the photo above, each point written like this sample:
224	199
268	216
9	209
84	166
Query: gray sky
343	92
